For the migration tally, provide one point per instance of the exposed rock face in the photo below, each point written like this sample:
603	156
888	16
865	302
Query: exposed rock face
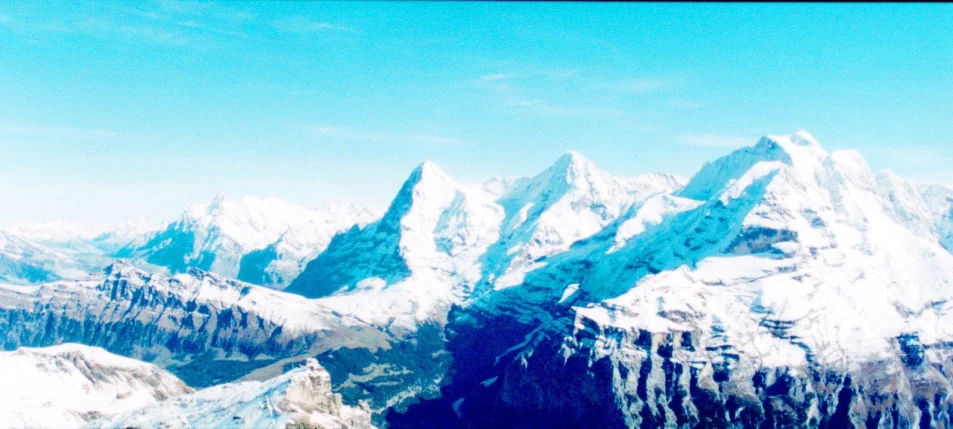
204	328
640	379
301	398
311	391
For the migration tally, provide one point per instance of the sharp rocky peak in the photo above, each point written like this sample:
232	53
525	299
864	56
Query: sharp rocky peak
570	171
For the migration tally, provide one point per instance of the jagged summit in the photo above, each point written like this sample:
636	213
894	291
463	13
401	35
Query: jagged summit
571	168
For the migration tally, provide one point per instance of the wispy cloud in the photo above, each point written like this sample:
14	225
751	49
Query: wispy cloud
527	89
716	140
356	134
201	25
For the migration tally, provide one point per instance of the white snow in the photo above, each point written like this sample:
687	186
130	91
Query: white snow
863	263
66	385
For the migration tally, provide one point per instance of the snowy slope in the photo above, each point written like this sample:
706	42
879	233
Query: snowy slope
263	241
570	201
66	385
300	398
38	252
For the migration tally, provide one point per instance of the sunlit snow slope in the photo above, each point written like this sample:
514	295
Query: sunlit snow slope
66	385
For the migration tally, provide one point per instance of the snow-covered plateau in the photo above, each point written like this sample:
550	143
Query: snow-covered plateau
780	286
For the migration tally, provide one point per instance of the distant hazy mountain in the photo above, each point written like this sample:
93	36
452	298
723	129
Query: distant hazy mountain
262	241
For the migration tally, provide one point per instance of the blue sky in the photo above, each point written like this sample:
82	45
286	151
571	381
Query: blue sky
113	110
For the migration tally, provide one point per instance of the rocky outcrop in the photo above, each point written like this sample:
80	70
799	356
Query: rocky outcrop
301	398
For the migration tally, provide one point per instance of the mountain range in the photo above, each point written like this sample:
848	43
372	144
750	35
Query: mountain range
780	286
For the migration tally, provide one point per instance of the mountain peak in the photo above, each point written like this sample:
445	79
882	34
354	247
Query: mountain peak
797	145
569	168
121	268
427	172
217	202
799	150
574	161
574	157
804	138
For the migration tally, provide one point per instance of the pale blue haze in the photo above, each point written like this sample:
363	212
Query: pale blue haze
111	110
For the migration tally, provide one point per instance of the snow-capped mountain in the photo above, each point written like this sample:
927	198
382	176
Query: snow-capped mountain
73	385
441	241
782	286
262	241
41	252
24	261
300	398
79	238
67	385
